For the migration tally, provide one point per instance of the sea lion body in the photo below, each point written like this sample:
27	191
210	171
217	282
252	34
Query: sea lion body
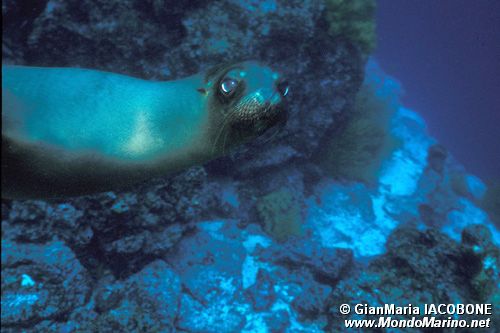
70	131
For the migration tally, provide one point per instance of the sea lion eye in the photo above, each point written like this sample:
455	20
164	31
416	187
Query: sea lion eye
283	88
228	86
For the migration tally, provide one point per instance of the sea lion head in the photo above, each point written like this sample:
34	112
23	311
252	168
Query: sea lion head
246	100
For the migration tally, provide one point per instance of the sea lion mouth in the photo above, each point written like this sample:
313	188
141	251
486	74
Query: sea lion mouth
255	108
274	116
256	122
280	117
265	128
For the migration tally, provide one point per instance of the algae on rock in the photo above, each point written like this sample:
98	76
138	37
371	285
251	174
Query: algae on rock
352	20
359	147
280	214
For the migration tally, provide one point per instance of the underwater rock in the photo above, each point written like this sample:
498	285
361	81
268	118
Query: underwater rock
428	254
352	20
325	264
312	302
209	264
210	317
122	231
14	42
475	187
271	157
147	301
39	222
280	214
484	258
40	282
344	216
465	213
124	36
204	258
477	235
232	283
468	186
422	267
261	293
278	321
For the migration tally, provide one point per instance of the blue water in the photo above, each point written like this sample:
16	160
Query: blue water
447	55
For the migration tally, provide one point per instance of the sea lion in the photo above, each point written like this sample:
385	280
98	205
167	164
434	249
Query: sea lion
70	131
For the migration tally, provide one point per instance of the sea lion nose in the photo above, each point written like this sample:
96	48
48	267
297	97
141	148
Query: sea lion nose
269	96
276	99
266	94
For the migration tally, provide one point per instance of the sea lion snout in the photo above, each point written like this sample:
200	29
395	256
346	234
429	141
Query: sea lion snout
264	95
247	99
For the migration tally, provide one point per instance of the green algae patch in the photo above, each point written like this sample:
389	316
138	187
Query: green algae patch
491	202
353	20
363	142
280	214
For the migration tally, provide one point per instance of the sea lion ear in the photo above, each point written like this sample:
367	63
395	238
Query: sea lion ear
202	91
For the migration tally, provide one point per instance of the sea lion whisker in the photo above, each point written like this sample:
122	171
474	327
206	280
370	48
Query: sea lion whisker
224	143
225	122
